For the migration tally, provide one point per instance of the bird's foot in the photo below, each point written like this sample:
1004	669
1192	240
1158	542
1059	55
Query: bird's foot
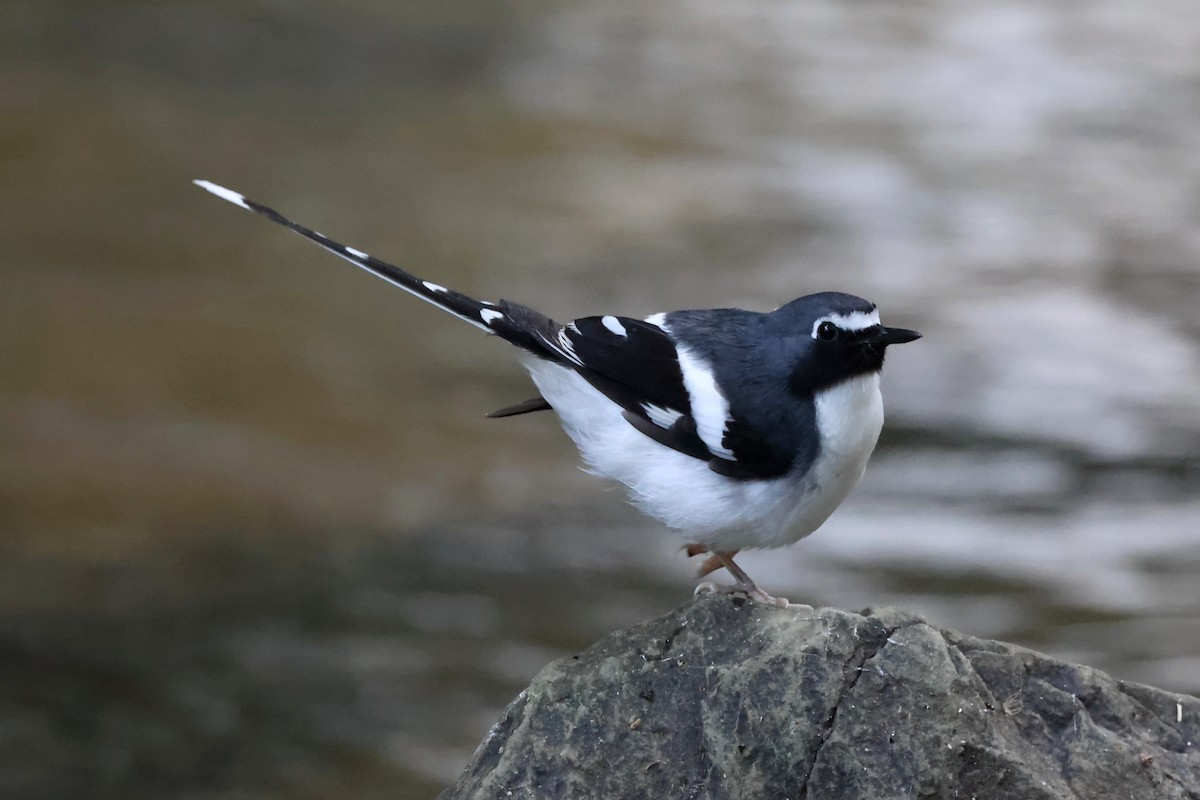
742	582
749	589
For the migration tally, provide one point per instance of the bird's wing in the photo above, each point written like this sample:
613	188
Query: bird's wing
667	392
637	365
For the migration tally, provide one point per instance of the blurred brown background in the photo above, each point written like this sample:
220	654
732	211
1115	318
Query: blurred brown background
260	542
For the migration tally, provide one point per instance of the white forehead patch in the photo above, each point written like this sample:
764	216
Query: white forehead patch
614	325
433	287
854	321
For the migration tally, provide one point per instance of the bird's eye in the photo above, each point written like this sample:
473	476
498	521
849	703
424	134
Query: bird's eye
827	331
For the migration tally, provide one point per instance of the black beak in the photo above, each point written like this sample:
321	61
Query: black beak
886	336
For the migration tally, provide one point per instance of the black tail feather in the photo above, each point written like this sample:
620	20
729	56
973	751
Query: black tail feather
527	407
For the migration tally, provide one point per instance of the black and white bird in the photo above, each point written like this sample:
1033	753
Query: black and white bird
736	429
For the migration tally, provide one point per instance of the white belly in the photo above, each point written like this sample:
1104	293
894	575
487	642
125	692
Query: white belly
702	506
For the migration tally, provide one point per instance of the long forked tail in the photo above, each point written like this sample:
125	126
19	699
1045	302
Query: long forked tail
482	314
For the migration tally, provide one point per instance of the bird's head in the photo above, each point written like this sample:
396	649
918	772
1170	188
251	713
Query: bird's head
831	337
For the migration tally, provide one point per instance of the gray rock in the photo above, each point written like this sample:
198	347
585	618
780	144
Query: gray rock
730	699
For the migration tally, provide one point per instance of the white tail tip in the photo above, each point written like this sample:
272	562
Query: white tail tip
223	193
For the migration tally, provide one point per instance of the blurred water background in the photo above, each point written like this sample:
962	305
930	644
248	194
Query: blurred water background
260	542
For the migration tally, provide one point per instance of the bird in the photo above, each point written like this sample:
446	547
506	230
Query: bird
736	429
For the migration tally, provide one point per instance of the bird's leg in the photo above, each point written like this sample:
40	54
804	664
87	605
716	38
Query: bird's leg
710	564
743	583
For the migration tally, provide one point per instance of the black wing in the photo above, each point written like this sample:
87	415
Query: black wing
631	362
636	365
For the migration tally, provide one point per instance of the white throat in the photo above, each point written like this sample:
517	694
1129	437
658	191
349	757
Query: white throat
850	416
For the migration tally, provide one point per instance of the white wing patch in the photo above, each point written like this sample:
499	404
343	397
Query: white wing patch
614	325
710	409
854	321
433	287
488	314
662	417
563	344
357	253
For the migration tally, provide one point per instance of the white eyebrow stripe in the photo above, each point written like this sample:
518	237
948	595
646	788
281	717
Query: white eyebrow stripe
854	321
710	409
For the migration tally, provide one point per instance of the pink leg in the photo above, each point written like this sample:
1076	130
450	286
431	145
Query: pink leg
743	584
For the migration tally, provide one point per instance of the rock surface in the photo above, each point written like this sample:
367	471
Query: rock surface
730	699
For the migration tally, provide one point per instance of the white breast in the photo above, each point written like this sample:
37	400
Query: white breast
849	419
702	506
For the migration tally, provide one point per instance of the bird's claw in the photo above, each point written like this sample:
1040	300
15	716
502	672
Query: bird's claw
749	589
